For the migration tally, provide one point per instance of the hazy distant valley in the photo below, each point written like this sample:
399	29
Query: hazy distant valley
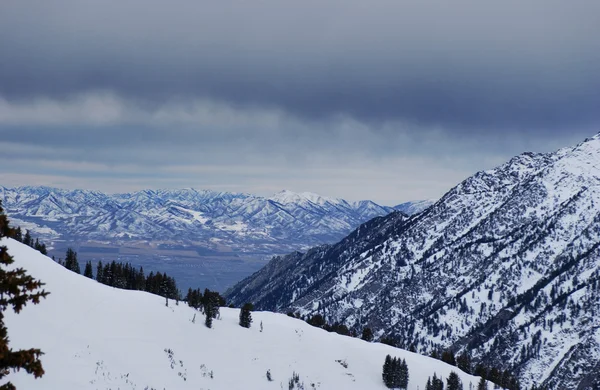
202	238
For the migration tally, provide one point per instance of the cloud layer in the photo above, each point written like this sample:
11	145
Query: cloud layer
316	96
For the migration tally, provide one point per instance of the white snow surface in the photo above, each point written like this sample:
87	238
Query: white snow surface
99	337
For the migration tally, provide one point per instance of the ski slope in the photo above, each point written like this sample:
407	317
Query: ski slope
99	337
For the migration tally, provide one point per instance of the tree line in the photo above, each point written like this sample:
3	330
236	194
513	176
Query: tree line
27	239
124	276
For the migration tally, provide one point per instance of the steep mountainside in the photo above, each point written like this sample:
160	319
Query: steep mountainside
505	265
98	337
244	222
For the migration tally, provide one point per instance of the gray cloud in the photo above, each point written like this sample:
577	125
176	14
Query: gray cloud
465	65
386	100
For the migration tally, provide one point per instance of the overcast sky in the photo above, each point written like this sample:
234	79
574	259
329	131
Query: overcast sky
383	100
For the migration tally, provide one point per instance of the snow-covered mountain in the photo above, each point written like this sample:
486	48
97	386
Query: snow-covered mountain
98	337
505	265
414	207
286	221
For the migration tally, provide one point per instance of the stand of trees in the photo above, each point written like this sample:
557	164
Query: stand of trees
395	373
125	276
503	379
26	239
209	303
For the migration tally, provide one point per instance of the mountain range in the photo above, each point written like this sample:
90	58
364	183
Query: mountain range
505	266
246	223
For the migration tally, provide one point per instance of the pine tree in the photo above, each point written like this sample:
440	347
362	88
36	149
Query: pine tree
463	362
100	272
88	272
387	372
494	375
367	334
71	262
27	240
437	383
482	385
17	288
453	382
245	315
18	234
402	374
428	386
448	357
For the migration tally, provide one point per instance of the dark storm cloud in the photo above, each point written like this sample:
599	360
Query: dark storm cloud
463	66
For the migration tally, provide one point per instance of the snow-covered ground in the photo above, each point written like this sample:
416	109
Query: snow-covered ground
99	337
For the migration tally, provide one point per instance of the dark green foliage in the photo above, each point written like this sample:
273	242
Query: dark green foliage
194	298
40	247
482	385
17	288
337	328
125	276
463	362
494	375
27	240
454	382
71	262
428	385
448	357
367	334
17	234
211	302
99	272
88	272
395	373
437	383
387	371
317	320
389	340
246	315
481	370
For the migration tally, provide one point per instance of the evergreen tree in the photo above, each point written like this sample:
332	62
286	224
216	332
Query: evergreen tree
448	357
18	234
463	362
367	334
208	319
88	272
27	240
428	386
245	315
43	249
453	382
17	288
71	262
482	385
494	375
100	272
402	374
211	301
437	383
387	372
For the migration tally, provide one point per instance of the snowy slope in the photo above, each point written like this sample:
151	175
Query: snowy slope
283	222
506	265
98	337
